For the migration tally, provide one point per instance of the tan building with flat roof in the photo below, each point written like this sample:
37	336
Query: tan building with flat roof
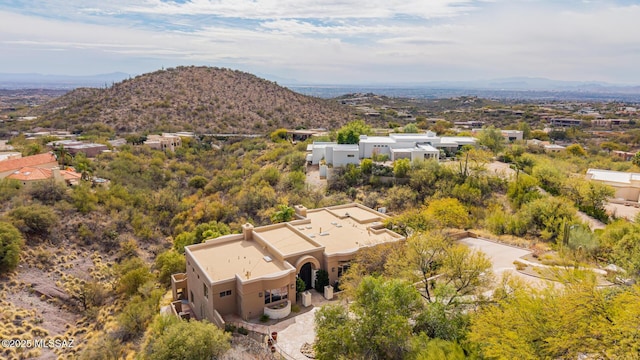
255	272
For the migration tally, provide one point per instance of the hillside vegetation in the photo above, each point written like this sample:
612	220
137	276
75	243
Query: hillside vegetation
201	99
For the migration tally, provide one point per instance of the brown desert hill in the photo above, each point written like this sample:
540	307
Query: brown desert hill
201	99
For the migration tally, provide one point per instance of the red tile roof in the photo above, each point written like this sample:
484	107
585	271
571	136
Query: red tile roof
27	161
31	174
34	174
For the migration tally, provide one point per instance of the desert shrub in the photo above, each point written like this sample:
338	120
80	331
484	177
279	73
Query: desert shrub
48	192
168	263
8	189
198	182
133	274
10	245
34	219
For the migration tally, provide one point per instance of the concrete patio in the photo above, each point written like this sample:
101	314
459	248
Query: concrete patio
293	331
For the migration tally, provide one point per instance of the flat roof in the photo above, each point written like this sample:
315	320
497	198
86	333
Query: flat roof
223	260
339	233
339	229
613	176
284	238
378	139
345	147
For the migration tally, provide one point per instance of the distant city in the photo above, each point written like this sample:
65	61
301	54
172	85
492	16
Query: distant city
442	93
519	88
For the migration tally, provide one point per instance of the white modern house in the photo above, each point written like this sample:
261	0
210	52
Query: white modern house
395	146
626	185
333	153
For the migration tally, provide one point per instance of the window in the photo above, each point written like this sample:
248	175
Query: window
191	296
351	155
343	269
205	290
225	293
274	295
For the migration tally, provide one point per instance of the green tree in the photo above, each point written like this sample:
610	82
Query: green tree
447	212
560	322
546	216
133	273
620	244
401	168
350	133
167	263
283	214
576	150
84	198
526	129
410	129
379	327
540	135
279	135
492	139
84	166
201	232
173	338
523	190
425	348
550	177
589	196
636	159
11	242
366	166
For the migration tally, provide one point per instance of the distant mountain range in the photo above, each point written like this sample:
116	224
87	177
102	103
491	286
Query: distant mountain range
41	81
537	84
533	88
517	88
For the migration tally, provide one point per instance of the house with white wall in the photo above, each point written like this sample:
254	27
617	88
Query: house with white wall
333	153
395	146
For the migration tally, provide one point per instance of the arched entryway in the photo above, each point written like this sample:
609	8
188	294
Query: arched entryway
305	267
306	275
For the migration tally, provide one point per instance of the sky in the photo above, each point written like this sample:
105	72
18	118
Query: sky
328	41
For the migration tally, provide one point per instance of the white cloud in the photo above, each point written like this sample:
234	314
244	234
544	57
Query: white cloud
304	9
332	41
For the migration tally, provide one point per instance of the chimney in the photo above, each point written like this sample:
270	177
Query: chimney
301	210
247	231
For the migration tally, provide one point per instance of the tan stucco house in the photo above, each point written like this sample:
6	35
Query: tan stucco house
250	274
625	184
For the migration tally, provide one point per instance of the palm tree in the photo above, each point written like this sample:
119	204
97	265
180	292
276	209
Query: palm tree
62	155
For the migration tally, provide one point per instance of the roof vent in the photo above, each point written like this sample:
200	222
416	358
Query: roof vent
267	258
324	233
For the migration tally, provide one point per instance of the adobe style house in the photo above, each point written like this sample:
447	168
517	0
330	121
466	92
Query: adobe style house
626	185
255	272
30	175
42	161
166	142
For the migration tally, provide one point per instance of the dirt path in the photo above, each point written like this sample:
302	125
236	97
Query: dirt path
593	223
313	178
